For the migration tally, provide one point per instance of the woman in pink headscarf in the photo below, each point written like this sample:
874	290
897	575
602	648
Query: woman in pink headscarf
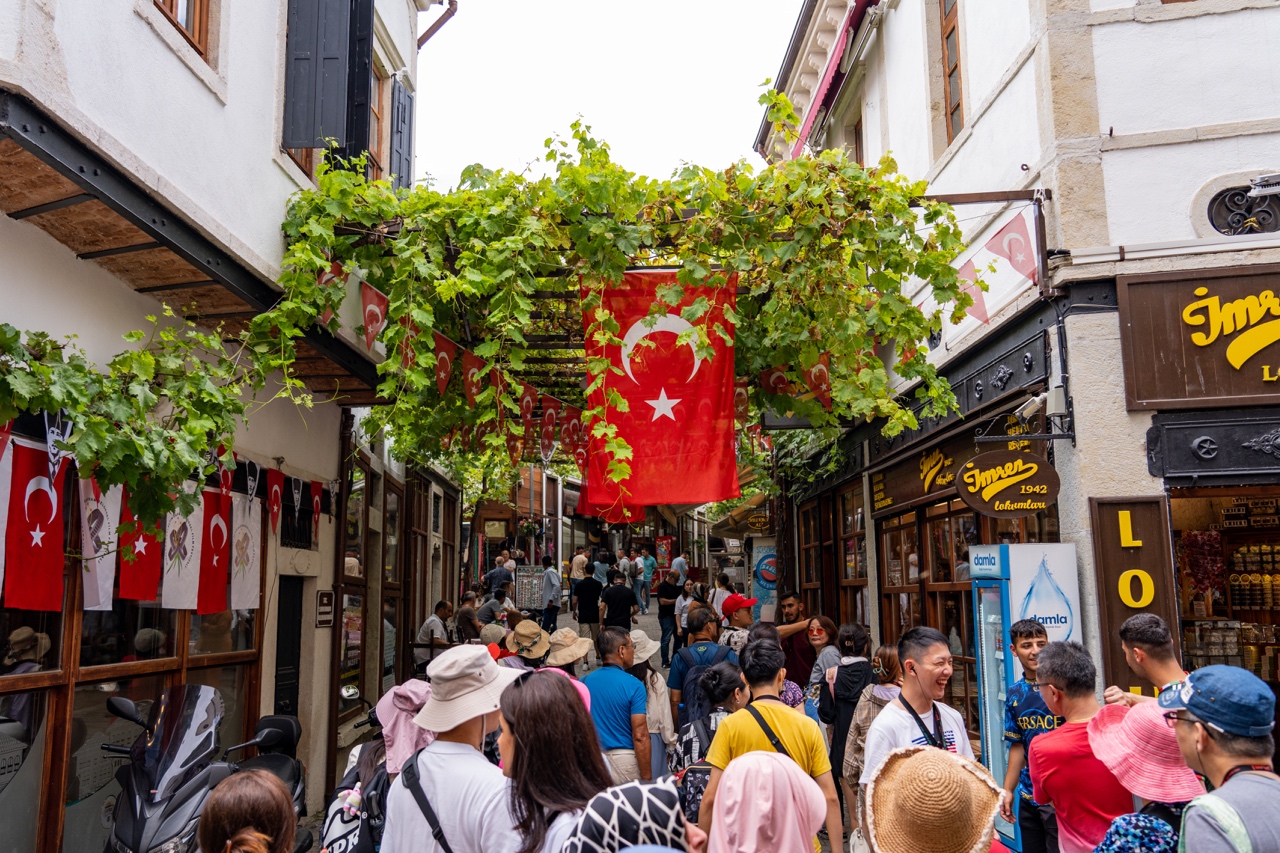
766	804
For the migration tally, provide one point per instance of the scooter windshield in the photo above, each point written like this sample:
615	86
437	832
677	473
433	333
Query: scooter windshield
183	738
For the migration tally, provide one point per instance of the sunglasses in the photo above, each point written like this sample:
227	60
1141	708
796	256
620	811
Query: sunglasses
1172	718
817	632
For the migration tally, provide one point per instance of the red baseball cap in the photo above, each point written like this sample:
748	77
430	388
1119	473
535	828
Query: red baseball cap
736	602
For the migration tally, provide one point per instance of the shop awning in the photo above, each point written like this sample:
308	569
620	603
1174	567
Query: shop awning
734	525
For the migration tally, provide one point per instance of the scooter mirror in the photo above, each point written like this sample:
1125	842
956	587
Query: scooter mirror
349	691
123	708
269	737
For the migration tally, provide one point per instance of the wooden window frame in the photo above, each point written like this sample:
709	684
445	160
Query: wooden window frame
199	39
377	123
393	589
304	159
859	150
851	590
950	22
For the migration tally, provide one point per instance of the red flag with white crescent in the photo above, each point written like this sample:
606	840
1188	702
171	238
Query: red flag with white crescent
968	274
1013	243
464	437
514	448
215	552
326	278
446	352
680	420
741	401
140	577
34	534
499	388
409	355
316	488
547	435
573	437
528	402
373	305
818	378
275	496
446	441
472	375
774	381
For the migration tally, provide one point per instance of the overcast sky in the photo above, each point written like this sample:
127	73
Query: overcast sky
663	82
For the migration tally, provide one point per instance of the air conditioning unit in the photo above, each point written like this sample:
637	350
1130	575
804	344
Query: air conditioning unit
1265	185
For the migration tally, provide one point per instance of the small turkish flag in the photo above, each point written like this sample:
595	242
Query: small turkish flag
215	552
499	388
140	577
741	401
316	487
679	422
34	535
1013	243
978	310
528	401
327	278
275	496
819	379
472	375
408	354
373	304
774	381
573	437
513	448
464	437
446	352
446	441
547	438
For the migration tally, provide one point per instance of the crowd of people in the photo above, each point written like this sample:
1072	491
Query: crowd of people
762	737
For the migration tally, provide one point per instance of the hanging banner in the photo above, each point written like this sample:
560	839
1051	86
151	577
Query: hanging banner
180	585
662	546
547	437
680	420
764	577
99	518
373	304
215	553
741	402
446	352
316	488
818	378
34	535
140	576
275	496
774	381
246	556
528	401
472	375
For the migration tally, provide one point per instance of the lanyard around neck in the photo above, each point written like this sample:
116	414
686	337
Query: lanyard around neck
934	738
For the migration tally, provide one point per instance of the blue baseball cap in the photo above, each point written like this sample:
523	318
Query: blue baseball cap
1228	698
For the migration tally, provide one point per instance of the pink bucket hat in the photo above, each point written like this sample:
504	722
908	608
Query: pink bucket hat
1141	750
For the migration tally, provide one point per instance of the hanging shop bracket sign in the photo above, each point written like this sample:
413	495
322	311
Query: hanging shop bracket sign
1008	484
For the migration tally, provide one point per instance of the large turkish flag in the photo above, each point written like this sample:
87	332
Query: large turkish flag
34	537
680	419
215	552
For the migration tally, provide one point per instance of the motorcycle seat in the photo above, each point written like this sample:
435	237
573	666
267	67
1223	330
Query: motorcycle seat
283	767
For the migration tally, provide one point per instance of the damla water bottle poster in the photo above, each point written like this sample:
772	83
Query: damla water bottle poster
1044	586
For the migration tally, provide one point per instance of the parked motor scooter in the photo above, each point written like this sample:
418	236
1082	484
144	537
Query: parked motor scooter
172	770
356	812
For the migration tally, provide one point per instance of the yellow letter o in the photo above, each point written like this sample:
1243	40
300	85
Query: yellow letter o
1126	588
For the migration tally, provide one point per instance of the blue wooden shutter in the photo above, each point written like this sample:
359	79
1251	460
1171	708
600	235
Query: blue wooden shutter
360	80
400	163
317	46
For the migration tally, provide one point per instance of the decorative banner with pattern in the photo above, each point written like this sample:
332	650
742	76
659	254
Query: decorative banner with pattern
99	519
246	553
180	584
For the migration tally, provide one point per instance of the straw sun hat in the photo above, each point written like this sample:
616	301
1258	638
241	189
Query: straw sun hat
927	800
567	647
528	640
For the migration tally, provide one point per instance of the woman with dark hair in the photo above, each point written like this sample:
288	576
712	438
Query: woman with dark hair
822	636
248	812
885	689
724	688
792	694
842	691
552	757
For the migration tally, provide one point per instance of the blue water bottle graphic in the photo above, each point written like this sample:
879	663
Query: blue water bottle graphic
1046	603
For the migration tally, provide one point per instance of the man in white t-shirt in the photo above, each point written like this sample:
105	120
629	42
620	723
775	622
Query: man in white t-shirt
916	717
433	633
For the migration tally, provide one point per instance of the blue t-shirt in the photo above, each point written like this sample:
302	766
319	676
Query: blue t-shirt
704	652
601	572
650	566
616	696
1025	716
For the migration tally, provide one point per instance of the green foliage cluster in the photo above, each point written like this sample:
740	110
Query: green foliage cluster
825	252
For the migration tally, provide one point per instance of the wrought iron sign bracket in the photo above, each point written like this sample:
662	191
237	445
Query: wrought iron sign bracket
1063	422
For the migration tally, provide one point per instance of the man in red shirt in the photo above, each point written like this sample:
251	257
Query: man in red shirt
1064	770
795	642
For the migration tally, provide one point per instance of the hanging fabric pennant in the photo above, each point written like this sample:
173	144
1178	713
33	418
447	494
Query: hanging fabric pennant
1013	243
969	275
373	305
818	379
570	427
514	447
332	486
316	503
464	437
446	441
215	552
547	437
180	584
99	518
140	577
34	535
774	381
741	401
408	353
499	388
446	352
252	471
295	485
7	452
528	401
275	496
246	553
326	278
472	375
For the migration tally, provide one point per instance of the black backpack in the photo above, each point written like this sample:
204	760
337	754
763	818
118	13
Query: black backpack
694	703
361	831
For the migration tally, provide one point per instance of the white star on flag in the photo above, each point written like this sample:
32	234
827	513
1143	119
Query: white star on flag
140	546
37	537
663	406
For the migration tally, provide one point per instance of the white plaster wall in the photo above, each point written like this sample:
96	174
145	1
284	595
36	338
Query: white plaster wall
1150	190
1188	72
992	33
906	87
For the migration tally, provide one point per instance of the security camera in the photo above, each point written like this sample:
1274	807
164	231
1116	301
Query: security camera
1265	185
1028	410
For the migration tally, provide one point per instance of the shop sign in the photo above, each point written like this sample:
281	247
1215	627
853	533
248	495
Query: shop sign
1134	568
759	522
324	608
1201	342
1008	484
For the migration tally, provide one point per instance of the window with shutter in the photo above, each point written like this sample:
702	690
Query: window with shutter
317	54
400	163
363	91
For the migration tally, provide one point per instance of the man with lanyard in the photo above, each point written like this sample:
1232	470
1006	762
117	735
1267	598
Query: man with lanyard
925	656
1148	650
1223	717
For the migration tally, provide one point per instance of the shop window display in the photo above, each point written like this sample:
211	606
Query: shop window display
129	631
22	772
32	641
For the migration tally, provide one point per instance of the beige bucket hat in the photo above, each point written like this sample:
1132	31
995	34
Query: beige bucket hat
567	647
465	683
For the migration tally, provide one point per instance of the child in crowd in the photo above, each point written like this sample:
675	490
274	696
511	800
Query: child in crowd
1025	717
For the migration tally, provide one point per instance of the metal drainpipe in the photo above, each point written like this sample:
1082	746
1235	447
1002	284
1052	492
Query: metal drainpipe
438	23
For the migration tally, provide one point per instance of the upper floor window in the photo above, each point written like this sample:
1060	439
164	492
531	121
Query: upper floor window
191	17
951	82
377	124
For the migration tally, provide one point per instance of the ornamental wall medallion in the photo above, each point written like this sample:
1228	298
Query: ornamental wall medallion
1268	444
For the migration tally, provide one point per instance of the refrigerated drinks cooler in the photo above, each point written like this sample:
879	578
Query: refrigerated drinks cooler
1011	582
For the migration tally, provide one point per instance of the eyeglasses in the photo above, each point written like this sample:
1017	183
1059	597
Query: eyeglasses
816	632
1171	719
